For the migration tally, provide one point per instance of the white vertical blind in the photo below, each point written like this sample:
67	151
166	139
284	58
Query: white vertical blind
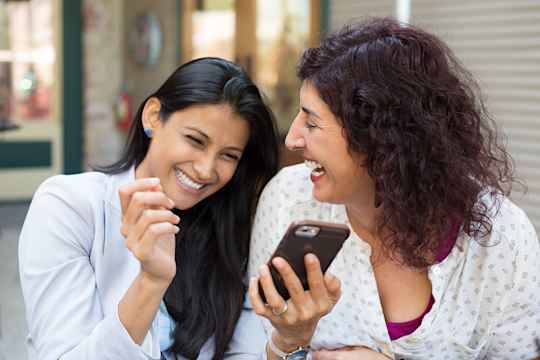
499	42
403	10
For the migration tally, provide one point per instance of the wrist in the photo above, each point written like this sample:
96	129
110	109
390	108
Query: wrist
153	283
286	344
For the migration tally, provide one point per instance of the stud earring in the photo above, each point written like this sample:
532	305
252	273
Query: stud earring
148	132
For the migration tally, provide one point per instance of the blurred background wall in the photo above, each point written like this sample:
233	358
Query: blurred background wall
72	74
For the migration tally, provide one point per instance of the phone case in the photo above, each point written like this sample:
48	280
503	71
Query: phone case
309	236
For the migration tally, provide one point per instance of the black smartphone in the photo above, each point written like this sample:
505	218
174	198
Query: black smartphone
323	239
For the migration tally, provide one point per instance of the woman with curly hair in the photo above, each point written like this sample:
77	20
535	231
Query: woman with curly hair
398	146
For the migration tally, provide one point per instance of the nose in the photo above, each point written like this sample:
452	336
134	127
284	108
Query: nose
295	137
205	167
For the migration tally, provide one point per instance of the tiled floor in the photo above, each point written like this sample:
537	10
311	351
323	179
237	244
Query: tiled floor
12	322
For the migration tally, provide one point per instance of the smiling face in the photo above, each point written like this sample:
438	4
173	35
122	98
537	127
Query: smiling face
195	152
336	173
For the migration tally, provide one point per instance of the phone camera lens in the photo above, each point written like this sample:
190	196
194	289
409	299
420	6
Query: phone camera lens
307	231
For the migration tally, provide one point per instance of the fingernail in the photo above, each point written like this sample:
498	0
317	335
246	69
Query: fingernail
177	219
263	270
171	203
153	181
311	259
278	262
177	230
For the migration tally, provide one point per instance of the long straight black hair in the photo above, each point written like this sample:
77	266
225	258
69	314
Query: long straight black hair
206	296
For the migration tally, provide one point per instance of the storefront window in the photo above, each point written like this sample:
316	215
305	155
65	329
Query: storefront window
282	35
265	37
27	59
213	29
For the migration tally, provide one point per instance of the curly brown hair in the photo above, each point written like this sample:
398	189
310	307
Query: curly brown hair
431	147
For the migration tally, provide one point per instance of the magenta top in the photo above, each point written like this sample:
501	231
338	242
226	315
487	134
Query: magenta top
397	330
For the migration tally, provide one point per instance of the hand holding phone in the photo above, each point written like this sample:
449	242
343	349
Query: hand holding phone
322	239
300	261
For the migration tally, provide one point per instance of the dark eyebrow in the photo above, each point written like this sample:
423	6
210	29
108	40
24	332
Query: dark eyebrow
310	112
203	134
207	138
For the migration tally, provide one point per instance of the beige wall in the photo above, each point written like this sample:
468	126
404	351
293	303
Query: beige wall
109	68
141	81
346	11
102	79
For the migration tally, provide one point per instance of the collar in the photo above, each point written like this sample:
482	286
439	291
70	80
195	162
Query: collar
116	181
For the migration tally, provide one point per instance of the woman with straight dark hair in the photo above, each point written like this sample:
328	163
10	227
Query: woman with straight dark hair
146	258
398	146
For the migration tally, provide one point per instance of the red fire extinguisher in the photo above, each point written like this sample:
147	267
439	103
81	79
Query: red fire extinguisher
124	111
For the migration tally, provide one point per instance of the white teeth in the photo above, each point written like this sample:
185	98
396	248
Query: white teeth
316	168
184	179
312	165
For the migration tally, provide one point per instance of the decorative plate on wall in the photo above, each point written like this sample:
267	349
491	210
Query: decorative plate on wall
146	39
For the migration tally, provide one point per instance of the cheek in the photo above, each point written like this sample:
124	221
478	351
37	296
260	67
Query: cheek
226	172
153	156
171	153
344	164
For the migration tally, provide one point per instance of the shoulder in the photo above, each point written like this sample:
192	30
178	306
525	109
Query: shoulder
77	183
80	192
77	186
511	227
512	248
290	186
289	197
64	211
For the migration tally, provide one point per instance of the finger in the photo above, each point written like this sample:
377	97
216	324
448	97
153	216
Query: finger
317	287
255	298
333	286
273	299
140	185
153	233
322	355
291	280
141	246
152	216
145	200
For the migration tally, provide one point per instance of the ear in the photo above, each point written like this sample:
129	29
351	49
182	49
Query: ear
150	114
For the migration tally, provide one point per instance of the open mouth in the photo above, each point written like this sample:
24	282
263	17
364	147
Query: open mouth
317	170
187	181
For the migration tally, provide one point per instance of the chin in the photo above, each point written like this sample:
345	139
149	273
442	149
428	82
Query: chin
183	201
184	205
321	196
324	197
187	202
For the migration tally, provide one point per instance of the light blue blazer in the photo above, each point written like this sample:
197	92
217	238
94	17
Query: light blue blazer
75	268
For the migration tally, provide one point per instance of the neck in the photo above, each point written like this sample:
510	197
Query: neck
363	220
141	171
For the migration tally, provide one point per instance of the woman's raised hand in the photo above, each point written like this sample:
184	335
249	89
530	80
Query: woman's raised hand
295	321
149	226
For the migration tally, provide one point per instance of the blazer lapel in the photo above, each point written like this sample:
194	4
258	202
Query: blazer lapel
119	266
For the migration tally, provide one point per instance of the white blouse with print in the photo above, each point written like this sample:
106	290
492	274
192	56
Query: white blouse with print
487	298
